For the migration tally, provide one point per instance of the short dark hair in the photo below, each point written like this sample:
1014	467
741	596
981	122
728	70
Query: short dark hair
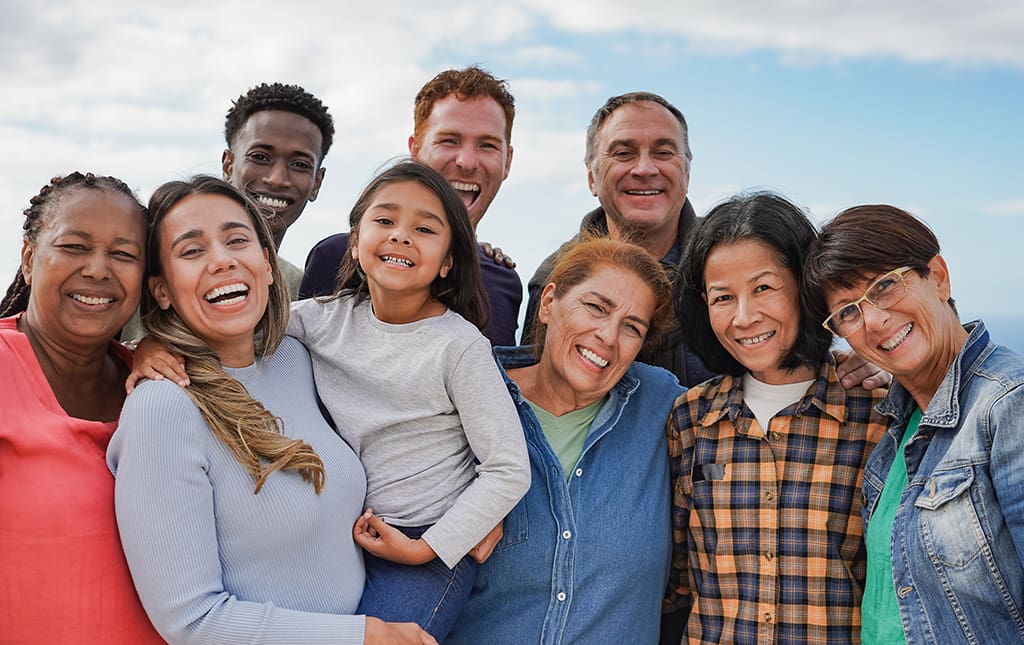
763	217
279	96
462	290
614	103
468	83
862	243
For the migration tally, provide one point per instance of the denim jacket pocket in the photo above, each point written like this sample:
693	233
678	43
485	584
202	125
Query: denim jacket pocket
950	524
515	528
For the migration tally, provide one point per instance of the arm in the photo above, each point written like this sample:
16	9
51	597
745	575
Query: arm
152	361
678	600
164	496
495	436
1007	462
853	370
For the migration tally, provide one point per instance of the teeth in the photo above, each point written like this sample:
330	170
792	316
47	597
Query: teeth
898	338
271	202
756	339
390	259
90	300
643	192
458	185
238	288
592	357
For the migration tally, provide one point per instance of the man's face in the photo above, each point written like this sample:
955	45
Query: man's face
276	158
640	172
465	142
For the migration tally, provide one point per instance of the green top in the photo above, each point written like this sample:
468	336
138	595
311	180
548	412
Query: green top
567	433
880	611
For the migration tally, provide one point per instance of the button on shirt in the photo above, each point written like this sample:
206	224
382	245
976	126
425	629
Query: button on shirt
584	560
767	526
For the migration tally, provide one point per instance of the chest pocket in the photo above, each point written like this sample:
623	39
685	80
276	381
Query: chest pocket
949	520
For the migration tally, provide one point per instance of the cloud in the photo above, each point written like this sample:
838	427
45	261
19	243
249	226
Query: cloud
1009	208
919	31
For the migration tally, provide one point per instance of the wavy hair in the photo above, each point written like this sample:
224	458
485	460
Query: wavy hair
249	430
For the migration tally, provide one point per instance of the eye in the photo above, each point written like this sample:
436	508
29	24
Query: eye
761	288
425	229
383	221
849	313
720	299
73	248
258	157
882	286
448	141
664	154
594	308
489	146
634	330
123	255
235	241
302	165
622	155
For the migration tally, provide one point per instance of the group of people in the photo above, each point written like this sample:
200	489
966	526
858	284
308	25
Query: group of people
672	453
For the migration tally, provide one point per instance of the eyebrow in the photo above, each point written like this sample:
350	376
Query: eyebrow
611	304
117	240
295	153
662	141
194	233
463	135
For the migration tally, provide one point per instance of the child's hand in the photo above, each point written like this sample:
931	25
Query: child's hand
482	551
385	541
154	362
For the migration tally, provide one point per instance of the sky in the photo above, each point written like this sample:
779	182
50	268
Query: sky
831	103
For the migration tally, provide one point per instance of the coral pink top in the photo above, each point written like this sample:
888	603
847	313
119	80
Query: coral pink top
63	577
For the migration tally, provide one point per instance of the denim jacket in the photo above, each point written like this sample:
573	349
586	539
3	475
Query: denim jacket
584	561
958	537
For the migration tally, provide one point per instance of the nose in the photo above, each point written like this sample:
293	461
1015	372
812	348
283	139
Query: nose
97	265
221	258
605	331
874	317
645	165
747	313
467	157
276	174
399	236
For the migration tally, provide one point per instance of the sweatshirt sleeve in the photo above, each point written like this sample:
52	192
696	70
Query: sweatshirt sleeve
496	438
165	513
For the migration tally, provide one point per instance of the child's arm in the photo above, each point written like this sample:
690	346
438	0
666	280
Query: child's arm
385	541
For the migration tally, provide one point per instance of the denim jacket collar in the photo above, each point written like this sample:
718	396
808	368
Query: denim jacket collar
944	408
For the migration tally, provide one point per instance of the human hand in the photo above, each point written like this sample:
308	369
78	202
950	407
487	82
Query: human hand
153	361
497	255
380	633
853	370
482	551
385	541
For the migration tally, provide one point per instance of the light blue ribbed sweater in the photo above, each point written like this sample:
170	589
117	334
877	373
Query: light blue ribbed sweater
214	563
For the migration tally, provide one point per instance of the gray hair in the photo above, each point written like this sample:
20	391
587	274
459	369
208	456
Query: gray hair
615	103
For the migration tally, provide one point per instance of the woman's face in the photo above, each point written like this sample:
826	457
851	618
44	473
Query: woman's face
595	330
85	266
754	306
912	338
214	273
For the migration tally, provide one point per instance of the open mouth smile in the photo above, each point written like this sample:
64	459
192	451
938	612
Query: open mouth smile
91	300
755	340
272	202
898	339
228	294
592	357
397	261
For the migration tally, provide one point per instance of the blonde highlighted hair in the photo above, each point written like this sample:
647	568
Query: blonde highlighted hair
249	430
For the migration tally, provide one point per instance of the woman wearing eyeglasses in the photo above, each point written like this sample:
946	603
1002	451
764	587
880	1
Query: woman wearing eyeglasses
944	489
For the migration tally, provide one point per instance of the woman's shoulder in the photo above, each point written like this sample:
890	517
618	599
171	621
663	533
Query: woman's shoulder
157	399
653	377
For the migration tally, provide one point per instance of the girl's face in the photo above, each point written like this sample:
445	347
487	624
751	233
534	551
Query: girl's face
214	273
754	307
85	266
403	242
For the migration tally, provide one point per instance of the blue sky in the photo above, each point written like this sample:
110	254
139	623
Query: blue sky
831	103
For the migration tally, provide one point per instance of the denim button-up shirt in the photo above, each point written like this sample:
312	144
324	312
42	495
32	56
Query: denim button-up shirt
958	537
584	561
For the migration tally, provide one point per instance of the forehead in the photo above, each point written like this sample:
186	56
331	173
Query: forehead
411	194
88	209
477	116
641	121
739	261
283	131
622	286
204	212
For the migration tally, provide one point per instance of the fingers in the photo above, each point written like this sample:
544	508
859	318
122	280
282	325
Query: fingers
482	551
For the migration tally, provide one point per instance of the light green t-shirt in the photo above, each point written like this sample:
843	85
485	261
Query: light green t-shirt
567	433
880	611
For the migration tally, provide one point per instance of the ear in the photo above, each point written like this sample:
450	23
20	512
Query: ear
353	245
158	288
227	164
591	182
546	298
27	251
940	275
414	147
316	183
270	269
446	266
508	163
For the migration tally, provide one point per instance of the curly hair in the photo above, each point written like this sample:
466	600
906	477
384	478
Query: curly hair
279	96
41	206
249	430
468	83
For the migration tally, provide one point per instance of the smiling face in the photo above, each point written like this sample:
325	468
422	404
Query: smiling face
640	173
465	142
85	266
594	331
275	157
754	308
402	245
915	339
214	273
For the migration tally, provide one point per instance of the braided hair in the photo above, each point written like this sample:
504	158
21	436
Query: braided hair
41	206
279	96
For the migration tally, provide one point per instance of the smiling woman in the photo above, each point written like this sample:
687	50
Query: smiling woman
63	577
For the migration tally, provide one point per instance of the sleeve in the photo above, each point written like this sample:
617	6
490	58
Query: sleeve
165	513
496	437
1006	423
322	265
298	320
680	458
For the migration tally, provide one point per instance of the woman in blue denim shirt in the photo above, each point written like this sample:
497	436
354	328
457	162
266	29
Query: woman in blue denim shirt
944	490
586	553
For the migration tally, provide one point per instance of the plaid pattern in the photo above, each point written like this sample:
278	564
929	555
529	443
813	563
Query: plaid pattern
767	527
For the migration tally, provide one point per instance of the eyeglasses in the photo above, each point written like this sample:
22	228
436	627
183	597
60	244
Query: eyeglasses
883	293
